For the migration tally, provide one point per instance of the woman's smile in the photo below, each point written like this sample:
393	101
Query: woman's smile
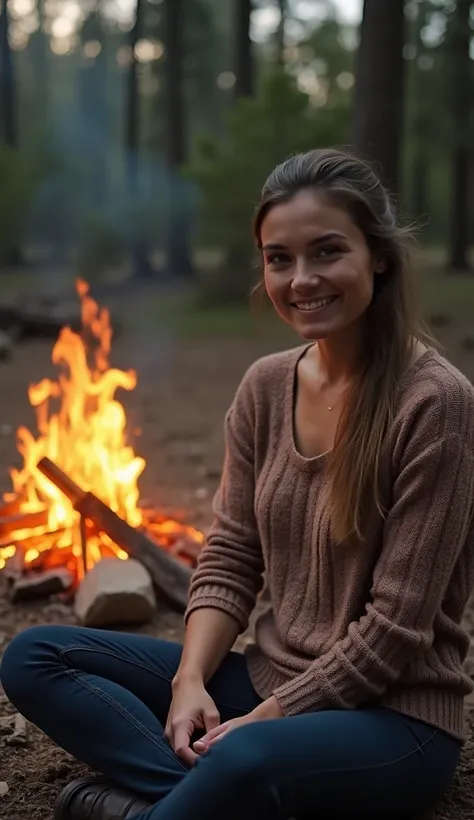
314	305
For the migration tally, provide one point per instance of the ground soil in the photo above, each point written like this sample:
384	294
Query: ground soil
184	389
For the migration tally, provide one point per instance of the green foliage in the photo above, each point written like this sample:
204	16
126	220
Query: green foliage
19	174
100	246
262	132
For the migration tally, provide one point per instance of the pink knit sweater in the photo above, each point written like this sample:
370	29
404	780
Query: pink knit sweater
349	626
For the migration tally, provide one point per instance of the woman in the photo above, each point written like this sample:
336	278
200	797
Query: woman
349	480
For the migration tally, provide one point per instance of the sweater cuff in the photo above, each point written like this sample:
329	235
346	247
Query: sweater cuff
213	596
309	692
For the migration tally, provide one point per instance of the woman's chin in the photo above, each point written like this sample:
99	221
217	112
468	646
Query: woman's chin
312	332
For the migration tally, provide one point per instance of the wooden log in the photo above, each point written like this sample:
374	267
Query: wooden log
83	537
186	548
11	507
40	584
170	576
52	558
23	521
61	480
31	541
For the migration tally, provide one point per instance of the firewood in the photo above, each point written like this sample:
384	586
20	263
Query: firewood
51	558
10	507
170	576
40	584
23	521
30	542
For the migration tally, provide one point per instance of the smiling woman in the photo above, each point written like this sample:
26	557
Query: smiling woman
349	481
336	267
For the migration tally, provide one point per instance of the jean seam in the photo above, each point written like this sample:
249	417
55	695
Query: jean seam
126	715
358	769
137	664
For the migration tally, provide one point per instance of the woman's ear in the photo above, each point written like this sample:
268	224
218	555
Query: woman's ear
380	266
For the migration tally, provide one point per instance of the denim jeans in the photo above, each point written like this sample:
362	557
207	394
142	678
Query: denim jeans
104	697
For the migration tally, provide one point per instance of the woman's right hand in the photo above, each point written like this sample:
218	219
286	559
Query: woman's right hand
192	708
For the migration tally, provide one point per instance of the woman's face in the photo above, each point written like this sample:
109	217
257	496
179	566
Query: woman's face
319	272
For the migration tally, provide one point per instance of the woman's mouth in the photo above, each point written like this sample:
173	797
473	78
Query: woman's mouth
307	306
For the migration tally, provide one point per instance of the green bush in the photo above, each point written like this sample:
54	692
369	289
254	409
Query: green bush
18	180
262	132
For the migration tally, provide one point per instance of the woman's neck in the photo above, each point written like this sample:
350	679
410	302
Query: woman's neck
339	357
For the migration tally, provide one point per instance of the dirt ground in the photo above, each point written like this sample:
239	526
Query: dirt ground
184	389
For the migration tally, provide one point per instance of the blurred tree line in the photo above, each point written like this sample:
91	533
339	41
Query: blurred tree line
143	137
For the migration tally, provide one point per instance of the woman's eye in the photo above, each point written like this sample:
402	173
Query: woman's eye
328	250
277	259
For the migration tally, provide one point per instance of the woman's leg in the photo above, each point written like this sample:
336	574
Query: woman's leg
104	697
364	764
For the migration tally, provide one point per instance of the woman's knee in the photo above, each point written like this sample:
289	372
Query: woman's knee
242	754
20	670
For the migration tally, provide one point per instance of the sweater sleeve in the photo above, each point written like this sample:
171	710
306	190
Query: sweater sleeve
229	574
425	532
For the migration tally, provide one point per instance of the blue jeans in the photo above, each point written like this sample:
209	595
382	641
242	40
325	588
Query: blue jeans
104	697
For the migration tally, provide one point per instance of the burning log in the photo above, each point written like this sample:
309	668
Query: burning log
11	507
170	576
23	521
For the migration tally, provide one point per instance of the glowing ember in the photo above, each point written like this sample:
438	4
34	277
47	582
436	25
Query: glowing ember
82	428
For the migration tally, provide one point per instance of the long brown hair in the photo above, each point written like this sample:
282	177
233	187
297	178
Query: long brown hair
392	322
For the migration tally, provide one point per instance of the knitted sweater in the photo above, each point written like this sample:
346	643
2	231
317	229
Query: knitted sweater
349	626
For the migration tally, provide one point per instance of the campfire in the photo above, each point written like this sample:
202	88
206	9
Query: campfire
75	500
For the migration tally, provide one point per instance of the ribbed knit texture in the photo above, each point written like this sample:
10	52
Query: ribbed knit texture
348	626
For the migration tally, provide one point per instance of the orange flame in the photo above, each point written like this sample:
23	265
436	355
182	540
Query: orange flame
82	428
85	434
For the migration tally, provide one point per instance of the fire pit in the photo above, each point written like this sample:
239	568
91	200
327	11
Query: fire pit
75	500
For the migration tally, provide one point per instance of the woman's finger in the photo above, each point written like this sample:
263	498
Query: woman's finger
182	742
201	746
218	730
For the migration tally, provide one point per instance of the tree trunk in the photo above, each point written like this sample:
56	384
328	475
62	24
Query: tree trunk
280	33
178	256
420	186
9	133
132	123
461	67
41	62
142	268
422	125
244	63
8	112
378	104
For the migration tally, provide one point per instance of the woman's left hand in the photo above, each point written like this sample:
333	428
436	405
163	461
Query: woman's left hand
268	710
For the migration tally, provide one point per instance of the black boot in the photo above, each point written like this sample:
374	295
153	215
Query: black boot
94	798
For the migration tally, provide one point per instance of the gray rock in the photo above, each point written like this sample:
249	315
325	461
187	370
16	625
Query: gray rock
115	592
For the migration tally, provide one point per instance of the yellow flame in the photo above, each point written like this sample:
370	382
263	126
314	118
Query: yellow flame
82	427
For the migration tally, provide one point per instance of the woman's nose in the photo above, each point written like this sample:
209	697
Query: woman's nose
304	276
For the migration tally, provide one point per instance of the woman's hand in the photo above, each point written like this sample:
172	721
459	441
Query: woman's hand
268	710
191	708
